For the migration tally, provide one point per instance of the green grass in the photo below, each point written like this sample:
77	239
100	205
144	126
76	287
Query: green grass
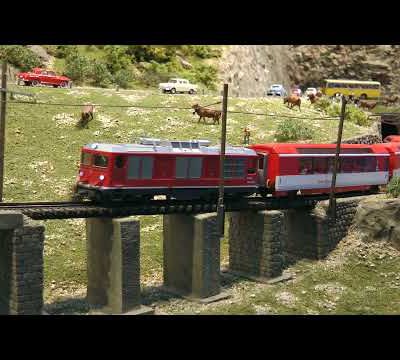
42	158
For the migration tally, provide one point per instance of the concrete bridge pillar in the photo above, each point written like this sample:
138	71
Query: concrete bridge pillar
192	257
21	265
113	265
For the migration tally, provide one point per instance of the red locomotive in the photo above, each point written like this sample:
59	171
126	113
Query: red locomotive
190	169
179	169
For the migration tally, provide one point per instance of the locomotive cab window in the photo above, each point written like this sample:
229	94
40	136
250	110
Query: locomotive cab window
86	158
100	161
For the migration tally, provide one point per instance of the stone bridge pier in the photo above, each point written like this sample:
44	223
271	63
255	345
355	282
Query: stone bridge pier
21	265
262	244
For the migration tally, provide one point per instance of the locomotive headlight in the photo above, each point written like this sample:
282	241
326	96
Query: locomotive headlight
80	173
101	177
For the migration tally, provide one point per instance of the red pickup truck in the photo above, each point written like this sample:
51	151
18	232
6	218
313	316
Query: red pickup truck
46	77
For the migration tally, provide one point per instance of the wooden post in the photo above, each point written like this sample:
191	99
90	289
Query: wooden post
221	208
2	123
332	199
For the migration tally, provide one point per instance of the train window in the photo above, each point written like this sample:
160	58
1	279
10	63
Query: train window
306	166
119	162
147	167
86	158
133	167
181	167
195	166
100	161
188	167
320	165
370	164
185	145
140	167
176	144
348	165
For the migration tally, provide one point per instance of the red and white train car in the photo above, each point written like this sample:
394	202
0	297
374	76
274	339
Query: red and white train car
180	169
394	159
285	169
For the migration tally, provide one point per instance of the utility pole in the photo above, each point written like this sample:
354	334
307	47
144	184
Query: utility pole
2	122
221	208
332	199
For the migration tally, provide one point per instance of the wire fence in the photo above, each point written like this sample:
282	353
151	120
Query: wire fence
157	107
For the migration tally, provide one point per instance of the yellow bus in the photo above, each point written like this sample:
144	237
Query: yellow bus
360	89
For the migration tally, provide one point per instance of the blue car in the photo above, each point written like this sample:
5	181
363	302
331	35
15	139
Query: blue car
276	90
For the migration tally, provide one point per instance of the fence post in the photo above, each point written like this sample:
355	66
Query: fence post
2	122
332	199
220	208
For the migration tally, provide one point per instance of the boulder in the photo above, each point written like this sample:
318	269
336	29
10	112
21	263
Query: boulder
379	220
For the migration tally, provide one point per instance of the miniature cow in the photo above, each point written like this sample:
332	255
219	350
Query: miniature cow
206	113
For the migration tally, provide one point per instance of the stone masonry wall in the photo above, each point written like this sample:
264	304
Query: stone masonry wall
21	274
256	240
312	233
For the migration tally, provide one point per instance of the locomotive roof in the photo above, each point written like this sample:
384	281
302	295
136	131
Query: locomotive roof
133	148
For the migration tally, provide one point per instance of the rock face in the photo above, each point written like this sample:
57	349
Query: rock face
310	64
379	220
250	69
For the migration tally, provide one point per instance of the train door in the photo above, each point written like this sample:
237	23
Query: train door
262	168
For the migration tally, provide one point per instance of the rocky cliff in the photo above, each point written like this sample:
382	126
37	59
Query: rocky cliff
250	69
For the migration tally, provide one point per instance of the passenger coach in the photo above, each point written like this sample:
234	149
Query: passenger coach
286	169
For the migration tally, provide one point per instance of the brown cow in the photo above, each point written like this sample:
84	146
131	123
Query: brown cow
367	105
293	100
313	98
390	100
86	116
207	113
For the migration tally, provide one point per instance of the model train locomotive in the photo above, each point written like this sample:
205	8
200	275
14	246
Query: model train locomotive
190	169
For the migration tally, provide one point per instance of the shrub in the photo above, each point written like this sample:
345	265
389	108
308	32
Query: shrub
77	67
206	75
99	74
353	113
123	77
20	56
393	188
293	130
116	58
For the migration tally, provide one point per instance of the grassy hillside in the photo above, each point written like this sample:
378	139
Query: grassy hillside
43	150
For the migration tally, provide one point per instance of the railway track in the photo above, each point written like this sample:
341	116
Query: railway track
68	210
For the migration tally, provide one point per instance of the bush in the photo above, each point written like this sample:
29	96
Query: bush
77	67
20	56
353	113
393	188
116	58
123	77
99	74
293	130
206	75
